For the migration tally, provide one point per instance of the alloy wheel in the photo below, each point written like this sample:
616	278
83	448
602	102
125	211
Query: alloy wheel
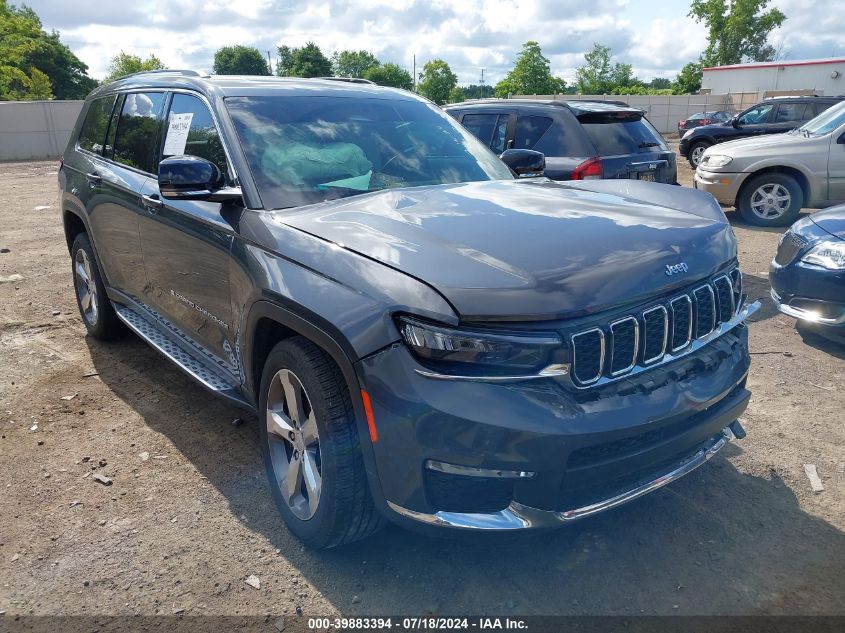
770	201
697	153
294	444
86	286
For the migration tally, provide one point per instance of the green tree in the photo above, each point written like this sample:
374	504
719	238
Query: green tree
307	61
26	48
239	60
124	64
599	75
437	81
478	91
688	80
660	83
353	63
738	30
390	74
530	75
456	95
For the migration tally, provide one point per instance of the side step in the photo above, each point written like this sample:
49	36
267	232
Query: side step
178	353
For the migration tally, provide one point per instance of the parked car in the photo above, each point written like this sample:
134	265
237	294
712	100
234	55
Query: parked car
581	140
808	272
421	335
771	179
703	118
772	116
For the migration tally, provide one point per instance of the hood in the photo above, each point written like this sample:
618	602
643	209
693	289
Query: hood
518	250
761	143
831	220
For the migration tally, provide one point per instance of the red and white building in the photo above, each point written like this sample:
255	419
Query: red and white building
822	76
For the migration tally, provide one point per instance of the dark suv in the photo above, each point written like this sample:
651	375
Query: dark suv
581	140
772	116
421	335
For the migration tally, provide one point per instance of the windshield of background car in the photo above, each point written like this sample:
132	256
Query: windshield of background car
303	150
615	133
826	122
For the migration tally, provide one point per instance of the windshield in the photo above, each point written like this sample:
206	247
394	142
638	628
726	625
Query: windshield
303	150
826	122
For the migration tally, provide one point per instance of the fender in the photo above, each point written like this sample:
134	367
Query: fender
71	207
334	348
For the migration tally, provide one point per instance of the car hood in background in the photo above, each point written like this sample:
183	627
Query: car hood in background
762	144
831	220
513	250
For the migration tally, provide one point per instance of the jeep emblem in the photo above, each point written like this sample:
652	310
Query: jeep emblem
677	268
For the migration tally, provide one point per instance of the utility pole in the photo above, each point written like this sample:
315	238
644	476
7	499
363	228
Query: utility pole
481	96
269	62
415	72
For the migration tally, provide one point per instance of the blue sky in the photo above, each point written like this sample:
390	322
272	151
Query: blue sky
656	37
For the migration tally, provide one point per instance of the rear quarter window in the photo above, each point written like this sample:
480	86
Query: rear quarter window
529	130
564	138
92	136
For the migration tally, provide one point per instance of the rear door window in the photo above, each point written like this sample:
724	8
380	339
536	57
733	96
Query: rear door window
614	134
529	130
790	113
92	136
139	130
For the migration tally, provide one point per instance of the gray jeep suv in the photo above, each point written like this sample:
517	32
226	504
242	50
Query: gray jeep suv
422	336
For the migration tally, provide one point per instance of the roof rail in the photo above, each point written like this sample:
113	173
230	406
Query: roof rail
171	71
352	80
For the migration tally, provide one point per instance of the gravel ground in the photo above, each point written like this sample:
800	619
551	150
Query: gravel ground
189	517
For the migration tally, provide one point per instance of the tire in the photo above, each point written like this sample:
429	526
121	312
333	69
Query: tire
95	308
695	152
331	503
771	199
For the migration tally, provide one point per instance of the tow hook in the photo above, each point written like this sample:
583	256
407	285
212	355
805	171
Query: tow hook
737	430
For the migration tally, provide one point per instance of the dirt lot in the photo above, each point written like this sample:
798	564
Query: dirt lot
184	528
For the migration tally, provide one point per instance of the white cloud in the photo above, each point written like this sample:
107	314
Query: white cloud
469	35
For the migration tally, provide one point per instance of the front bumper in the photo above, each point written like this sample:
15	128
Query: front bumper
722	186
553	453
809	293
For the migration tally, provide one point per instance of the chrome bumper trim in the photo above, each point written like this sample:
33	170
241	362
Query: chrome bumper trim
804	315
520	517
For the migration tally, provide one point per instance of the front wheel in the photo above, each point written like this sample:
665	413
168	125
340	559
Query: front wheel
311	447
696	152
771	200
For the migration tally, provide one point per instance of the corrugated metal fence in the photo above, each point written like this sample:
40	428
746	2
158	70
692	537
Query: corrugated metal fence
36	129
41	129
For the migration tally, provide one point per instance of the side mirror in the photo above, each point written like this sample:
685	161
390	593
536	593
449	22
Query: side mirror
524	162
193	178
735	122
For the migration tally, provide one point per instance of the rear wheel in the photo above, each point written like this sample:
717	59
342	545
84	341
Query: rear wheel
311	447
696	152
94	305
771	200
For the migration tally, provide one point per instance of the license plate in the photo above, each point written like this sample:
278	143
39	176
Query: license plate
648	176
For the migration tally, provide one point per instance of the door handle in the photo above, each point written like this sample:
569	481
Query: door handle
151	203
94	178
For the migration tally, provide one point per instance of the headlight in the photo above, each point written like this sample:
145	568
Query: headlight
687	133
716	160
827	254
508	351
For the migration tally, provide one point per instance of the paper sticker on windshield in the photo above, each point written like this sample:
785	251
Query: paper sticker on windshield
177	134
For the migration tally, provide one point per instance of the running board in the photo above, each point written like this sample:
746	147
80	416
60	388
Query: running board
185	359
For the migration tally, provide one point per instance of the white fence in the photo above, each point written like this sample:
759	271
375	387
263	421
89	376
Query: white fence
36	129
664	111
